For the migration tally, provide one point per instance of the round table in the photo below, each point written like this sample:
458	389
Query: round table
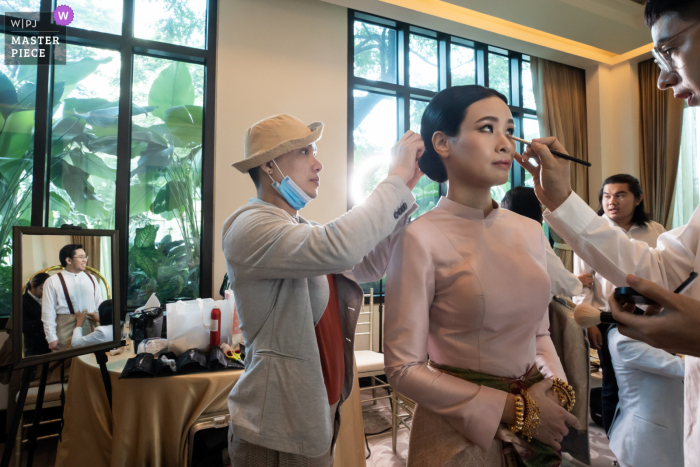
151	417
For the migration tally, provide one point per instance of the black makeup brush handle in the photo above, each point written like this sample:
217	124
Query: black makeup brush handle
607	318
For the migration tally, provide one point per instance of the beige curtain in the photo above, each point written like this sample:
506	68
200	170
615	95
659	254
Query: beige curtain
91	245
661	118
560	94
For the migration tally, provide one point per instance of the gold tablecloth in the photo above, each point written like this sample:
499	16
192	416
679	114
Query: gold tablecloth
151	417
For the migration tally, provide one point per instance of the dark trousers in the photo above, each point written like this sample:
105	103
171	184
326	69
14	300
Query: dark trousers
610	389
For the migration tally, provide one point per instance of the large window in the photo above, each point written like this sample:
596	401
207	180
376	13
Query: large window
121	137
396	69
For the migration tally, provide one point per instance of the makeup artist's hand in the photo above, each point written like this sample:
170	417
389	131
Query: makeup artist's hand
674	328
554	420
404	158
551	175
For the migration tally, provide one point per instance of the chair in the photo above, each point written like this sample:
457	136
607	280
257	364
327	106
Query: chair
370	363
92	271
52	398
400	402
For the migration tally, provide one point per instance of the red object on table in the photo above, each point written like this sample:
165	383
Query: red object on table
215	330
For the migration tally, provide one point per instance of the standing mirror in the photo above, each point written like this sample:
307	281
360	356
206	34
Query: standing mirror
65	293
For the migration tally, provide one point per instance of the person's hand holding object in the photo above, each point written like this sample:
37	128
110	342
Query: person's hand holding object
674	328
551	175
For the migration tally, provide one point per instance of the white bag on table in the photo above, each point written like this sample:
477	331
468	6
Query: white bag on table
189	324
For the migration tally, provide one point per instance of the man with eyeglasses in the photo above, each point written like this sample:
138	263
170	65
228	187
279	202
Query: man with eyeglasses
69	292
675	28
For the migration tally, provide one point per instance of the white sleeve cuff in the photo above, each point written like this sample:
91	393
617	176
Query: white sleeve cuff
571	218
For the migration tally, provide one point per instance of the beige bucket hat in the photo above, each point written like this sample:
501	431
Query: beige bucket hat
274	136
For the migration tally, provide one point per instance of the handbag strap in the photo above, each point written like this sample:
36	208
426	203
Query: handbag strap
65	291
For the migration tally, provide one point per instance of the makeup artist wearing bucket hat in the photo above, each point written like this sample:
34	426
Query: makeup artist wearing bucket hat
655	272
296	288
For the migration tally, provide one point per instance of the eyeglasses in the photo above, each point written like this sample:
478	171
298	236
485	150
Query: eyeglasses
81	257
663	57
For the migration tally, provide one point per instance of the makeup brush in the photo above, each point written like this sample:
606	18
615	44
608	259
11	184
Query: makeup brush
556	153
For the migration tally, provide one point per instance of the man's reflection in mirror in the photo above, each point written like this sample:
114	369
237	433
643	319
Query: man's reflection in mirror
67	293
32	328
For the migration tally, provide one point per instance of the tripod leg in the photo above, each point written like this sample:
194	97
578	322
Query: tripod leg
102	360
27	377
37	414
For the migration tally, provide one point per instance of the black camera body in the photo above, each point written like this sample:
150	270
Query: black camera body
145	324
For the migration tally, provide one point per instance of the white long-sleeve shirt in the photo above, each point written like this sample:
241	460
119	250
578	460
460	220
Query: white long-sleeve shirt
84	294
100	335
648	427
611	253
597	295
561	281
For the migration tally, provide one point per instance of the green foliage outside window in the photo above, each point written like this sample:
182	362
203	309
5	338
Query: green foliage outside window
166	154
17	100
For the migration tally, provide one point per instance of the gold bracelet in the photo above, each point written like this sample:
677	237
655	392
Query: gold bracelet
565	392
519	415
532	416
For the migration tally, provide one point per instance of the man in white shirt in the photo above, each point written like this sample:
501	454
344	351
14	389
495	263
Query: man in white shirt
648	427
102	333
622	205
675	28
71	290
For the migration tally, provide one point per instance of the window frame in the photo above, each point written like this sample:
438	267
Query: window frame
128	46
404	92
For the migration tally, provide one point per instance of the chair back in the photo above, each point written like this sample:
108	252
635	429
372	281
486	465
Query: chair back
88	269
370	320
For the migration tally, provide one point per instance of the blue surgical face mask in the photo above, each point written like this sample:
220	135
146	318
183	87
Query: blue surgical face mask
290	191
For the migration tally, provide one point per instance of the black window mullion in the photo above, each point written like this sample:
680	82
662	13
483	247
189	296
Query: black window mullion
404	49
123	185
42	131
207	229
42	128
520	80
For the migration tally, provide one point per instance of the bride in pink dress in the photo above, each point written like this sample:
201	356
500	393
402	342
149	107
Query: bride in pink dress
467	296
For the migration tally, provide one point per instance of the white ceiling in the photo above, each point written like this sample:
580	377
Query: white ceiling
613	25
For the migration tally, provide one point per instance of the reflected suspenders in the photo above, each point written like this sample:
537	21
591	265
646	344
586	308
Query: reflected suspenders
65	290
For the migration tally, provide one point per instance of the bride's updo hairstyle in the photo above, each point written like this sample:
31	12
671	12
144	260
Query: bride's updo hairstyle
445	113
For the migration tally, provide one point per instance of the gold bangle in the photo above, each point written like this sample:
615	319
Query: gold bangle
532	416
565	392
519	415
